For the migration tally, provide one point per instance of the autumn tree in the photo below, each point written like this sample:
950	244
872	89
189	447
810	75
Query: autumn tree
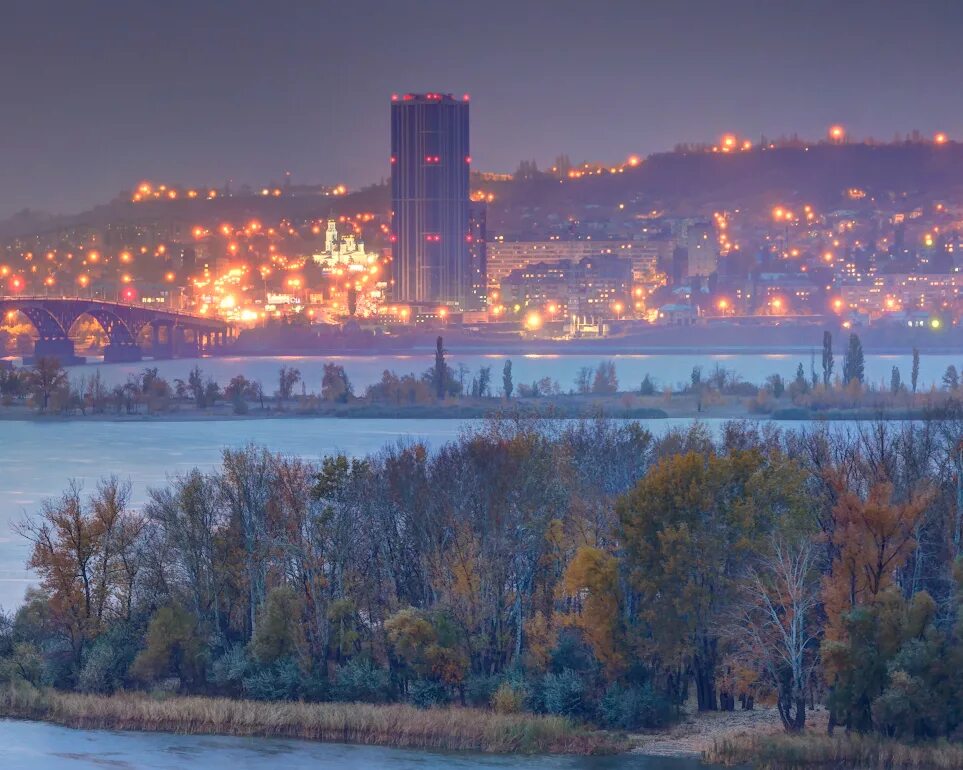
871	537
288	377
688	528
334	384
46	379
592	581
85	552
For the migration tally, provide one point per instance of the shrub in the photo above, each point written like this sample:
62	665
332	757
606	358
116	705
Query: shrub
228	671
97	671
425	693
564	694
480	689
508	699
360	680
633	707
280	681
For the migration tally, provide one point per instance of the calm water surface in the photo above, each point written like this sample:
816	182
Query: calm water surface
37	746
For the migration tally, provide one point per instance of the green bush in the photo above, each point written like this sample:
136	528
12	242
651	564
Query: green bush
227	672
283	680
479	689
425	693
634	707
564	694
361	680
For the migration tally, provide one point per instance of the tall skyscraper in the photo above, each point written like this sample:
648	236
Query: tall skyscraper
430	164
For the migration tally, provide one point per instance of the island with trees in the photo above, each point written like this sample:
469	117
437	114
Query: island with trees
822	390
535	585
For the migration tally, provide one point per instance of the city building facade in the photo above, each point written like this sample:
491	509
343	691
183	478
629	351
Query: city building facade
430	165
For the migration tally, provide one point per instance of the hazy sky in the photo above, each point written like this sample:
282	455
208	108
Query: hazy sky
96	95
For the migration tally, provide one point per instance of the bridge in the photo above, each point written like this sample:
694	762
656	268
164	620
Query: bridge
172	333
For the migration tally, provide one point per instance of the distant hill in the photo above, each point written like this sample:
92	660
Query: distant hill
700	181
680	183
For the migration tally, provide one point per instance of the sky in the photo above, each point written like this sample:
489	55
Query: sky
98	95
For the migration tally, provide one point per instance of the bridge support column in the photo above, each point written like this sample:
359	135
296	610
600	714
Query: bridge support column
61	349
119	353
182	346
162	340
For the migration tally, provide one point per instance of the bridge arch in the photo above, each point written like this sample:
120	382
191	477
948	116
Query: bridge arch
54	319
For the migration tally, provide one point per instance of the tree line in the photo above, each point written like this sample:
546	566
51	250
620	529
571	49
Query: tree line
584	568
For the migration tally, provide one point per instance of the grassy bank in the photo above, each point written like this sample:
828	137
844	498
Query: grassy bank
382	725
866	752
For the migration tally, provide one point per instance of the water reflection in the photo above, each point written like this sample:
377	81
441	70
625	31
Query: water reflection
39	746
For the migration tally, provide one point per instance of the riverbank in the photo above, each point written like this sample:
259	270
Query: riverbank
818	750
623	406
401	726
697	733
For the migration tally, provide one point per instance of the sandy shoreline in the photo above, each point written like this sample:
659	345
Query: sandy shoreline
696	732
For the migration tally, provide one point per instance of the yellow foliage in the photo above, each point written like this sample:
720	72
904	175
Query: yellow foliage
592	580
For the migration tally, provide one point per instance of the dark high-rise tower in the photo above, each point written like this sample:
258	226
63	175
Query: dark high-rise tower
430	164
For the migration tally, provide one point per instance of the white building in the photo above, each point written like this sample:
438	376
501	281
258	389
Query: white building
342	254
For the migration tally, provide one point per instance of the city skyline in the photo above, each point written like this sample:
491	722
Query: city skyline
99	101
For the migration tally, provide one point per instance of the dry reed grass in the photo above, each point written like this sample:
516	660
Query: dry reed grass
867	752
383	725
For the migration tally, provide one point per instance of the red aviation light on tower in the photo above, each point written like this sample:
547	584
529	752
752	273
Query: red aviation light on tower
465	98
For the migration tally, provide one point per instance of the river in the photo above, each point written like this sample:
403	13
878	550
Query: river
40	746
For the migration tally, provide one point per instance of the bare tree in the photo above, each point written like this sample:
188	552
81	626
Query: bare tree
777	626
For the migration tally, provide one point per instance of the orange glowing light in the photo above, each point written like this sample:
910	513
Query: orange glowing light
837	133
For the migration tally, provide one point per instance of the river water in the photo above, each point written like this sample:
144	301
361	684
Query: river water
39	746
